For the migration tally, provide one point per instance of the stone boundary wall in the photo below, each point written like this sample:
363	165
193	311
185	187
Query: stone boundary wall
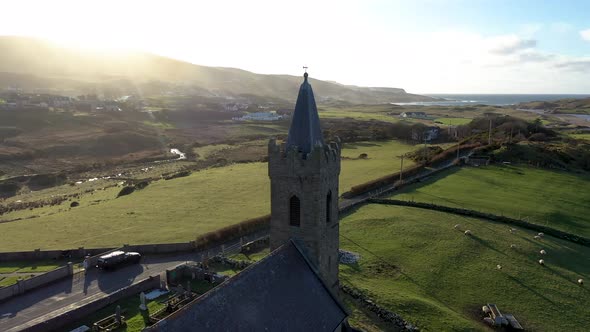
390	317
38	254
77	314
23	286
488	216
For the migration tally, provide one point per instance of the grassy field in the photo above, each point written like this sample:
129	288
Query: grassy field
556	199
24	270
175	210
581	136
416	264
131	312
28	266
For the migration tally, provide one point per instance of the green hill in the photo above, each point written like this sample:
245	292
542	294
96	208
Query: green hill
32	63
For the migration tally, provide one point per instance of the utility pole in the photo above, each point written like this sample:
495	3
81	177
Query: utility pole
401	168
490	133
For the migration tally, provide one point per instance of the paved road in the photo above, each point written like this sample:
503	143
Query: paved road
37	305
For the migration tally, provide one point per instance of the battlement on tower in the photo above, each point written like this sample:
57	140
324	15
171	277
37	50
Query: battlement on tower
322	159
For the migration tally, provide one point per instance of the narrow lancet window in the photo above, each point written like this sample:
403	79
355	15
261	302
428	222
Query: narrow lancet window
294	211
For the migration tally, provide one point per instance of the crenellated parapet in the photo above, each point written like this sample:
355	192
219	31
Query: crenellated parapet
322	160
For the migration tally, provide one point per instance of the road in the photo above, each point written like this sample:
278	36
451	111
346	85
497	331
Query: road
37	305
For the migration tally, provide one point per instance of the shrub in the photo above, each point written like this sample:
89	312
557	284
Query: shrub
232	232
126	191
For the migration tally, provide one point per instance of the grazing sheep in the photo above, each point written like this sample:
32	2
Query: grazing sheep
457	226
541	234
468	232
513	230
542	262
581	281
536	237
513	246
499	267
542	252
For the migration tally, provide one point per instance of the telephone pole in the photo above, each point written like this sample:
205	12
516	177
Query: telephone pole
401	168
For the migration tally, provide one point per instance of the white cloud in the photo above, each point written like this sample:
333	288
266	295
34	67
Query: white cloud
585	34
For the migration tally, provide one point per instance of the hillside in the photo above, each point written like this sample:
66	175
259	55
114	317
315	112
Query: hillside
35	64
561	106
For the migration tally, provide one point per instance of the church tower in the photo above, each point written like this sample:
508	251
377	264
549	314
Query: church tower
304	188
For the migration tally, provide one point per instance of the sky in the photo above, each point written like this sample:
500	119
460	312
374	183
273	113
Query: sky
423	46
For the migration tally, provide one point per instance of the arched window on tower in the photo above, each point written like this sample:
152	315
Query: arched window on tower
329	207
294	211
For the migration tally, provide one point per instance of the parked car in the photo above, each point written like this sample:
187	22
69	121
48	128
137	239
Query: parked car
117	259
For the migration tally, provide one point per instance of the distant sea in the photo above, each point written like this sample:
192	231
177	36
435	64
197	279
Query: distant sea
489	99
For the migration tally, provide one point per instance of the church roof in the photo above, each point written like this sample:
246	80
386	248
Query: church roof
305	131
282	292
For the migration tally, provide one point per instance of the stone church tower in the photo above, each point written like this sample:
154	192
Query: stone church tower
304	188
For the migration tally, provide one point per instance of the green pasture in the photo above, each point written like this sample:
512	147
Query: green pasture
176	210
581	136
416	264
552	198
369	113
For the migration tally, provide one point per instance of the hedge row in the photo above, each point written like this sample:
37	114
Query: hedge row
408	172
231	232
482	215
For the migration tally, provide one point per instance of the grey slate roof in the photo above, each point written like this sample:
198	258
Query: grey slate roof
305	131
282	292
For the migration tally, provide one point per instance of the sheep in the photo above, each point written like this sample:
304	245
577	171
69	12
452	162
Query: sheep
499	267
468	232
541	234
485	309
542	262
536	237
542	252
513	246
457	226
581	281
513	230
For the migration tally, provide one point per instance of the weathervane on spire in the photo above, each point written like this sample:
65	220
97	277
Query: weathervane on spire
305	74
305	68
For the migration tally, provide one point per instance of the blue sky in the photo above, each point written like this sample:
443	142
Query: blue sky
428	46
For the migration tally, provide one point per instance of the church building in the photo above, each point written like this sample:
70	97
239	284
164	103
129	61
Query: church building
294	288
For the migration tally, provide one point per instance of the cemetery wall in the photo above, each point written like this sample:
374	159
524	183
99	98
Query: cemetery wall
77	314
22	286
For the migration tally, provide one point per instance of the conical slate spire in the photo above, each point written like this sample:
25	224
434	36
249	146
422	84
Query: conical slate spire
305	131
